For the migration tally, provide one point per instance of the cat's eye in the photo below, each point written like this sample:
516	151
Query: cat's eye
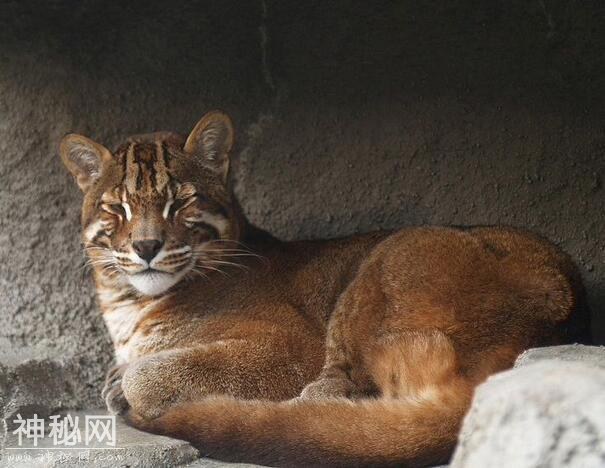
115	209
120	209
178	205
108	230
171	207
192	221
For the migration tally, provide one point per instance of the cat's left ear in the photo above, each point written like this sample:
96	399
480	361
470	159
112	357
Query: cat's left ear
211	140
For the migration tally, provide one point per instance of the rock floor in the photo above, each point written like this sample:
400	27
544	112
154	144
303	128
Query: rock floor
132	448
546	412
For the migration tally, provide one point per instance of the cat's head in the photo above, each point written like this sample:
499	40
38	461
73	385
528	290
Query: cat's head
159	207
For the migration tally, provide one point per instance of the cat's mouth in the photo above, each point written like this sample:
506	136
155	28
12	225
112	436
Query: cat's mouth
152	282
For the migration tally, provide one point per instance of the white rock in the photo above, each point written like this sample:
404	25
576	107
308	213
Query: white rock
546	414
594	355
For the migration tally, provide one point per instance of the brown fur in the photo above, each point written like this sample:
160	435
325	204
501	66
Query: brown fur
378	340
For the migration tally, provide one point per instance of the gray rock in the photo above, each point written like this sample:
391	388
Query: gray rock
41	379
541	414
593	355
209	463
133	448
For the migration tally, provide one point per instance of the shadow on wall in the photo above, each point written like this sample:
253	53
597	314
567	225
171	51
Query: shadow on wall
350	117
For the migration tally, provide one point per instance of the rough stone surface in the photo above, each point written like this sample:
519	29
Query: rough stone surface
133	448
593	355
208	463
43	380
547	413
350	118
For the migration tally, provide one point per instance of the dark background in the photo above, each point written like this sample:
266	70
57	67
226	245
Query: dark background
351	116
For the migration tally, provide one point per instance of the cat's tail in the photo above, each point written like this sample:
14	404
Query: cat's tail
416	429
316	433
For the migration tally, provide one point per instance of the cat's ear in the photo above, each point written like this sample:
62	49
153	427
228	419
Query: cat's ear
211	140
84	158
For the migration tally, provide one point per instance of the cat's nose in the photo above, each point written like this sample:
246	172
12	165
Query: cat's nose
148	248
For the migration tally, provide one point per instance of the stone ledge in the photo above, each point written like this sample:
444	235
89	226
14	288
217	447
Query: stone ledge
133	448
209	463
41	380
537	413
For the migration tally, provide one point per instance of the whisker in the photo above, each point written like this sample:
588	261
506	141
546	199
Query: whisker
226	241
199	272
221	262
229	252
102	263
224	273
238	255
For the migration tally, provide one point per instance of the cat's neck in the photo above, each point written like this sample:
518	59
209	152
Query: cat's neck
114	292
123	310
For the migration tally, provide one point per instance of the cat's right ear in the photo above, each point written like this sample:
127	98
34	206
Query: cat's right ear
84	158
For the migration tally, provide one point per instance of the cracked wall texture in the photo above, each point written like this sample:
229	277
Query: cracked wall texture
352	116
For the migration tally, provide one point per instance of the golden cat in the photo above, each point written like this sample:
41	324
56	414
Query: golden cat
375	342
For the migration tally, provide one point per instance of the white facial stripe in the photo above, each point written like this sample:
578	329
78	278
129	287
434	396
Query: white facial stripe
218	222
91	231
127	211
167	209
169	203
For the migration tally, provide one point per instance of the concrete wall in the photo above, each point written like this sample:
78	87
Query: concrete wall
352	116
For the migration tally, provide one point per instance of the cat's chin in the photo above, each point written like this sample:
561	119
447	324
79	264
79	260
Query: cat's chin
154	283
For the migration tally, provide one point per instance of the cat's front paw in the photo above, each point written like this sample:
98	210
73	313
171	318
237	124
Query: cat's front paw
112	390
329	388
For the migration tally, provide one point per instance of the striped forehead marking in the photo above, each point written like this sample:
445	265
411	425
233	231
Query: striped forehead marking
146	168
